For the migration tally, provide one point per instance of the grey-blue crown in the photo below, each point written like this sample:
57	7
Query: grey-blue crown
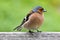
36	8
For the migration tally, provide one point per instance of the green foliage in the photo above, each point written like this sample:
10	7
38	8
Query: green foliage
12	13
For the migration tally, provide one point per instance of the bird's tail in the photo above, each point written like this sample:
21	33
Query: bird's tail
18	28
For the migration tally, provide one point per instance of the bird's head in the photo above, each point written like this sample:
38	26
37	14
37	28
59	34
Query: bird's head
39	9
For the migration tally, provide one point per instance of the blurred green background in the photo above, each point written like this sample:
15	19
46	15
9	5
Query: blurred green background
12	13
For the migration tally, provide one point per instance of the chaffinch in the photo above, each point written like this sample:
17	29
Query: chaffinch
33	20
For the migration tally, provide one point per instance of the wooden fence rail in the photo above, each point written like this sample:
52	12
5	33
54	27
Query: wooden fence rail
28	36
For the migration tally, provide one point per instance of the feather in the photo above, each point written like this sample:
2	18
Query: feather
24	20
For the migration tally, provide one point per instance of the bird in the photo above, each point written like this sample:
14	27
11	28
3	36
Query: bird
33	20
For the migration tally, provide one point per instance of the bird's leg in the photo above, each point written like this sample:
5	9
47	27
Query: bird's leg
31	31
39	31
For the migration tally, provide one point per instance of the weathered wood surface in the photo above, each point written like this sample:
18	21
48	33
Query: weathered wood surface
28	36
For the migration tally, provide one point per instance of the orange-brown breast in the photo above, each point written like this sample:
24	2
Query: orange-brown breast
35	20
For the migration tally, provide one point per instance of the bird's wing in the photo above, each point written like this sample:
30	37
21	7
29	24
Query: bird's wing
19	27
24	20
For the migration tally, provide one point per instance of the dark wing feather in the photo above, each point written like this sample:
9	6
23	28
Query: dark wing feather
19	27
24	20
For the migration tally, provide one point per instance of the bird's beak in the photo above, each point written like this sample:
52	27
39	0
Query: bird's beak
44	11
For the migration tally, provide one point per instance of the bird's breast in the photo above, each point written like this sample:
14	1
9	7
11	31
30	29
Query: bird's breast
35	20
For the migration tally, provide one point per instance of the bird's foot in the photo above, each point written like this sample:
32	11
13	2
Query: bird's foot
31	31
